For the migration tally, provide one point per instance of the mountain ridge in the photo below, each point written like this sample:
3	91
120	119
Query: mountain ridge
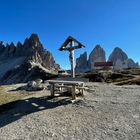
118	57
17	60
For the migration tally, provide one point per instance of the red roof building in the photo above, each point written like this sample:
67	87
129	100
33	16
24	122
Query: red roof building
103	64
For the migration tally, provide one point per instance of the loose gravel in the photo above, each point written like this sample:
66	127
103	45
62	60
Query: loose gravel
108	113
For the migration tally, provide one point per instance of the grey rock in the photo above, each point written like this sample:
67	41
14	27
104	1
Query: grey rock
34	86
31	84
20	63
97	55
132	64
1	47
4	54
120	59
11	50
19	50
26	72
39	81
137	65
81	63
50	62
118	53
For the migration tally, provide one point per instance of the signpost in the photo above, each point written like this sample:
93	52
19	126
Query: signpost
70	45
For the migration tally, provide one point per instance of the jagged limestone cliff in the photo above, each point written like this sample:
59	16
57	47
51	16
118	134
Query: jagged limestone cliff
27	61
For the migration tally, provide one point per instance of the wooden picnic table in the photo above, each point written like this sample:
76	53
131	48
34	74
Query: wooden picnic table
66	84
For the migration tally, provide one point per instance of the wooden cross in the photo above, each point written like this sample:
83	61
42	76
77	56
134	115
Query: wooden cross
70	45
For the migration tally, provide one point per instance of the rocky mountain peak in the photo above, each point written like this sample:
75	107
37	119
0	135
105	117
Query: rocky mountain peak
97	55
1	43
117	49
12	44
118	53
34	41
1	46
81	63
120	59
33	45
31	52
34	37
19	44
97	47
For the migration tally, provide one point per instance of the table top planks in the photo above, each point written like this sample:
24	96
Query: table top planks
65	82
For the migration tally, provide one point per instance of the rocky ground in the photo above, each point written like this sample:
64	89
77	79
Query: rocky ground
108	113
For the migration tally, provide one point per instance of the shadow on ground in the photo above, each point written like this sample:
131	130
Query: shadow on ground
15	110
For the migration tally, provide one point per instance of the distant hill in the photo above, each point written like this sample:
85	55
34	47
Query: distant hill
27	61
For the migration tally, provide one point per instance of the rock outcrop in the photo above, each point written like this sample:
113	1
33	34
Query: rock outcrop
81	63
120	59
25	62
132	64
1	47
97	55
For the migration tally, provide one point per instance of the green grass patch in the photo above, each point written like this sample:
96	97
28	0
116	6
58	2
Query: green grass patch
10	97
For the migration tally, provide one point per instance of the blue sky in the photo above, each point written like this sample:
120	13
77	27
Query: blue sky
110	23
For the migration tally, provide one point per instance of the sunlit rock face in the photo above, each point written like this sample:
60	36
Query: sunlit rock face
132	64
97	55
120	59
84	64
31	52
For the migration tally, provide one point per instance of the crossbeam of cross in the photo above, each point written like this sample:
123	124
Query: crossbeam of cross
70	45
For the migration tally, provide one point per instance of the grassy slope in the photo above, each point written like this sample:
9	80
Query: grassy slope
10	97
134	81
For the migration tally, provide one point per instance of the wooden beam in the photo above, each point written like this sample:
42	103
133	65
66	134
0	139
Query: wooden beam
67	41
71	57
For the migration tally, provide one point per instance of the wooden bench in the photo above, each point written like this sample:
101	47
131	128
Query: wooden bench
72	85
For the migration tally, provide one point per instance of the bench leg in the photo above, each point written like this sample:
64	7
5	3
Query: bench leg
82	92
61	89
73	92
52	90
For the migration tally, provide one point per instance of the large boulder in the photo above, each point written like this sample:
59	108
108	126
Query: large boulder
34	85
